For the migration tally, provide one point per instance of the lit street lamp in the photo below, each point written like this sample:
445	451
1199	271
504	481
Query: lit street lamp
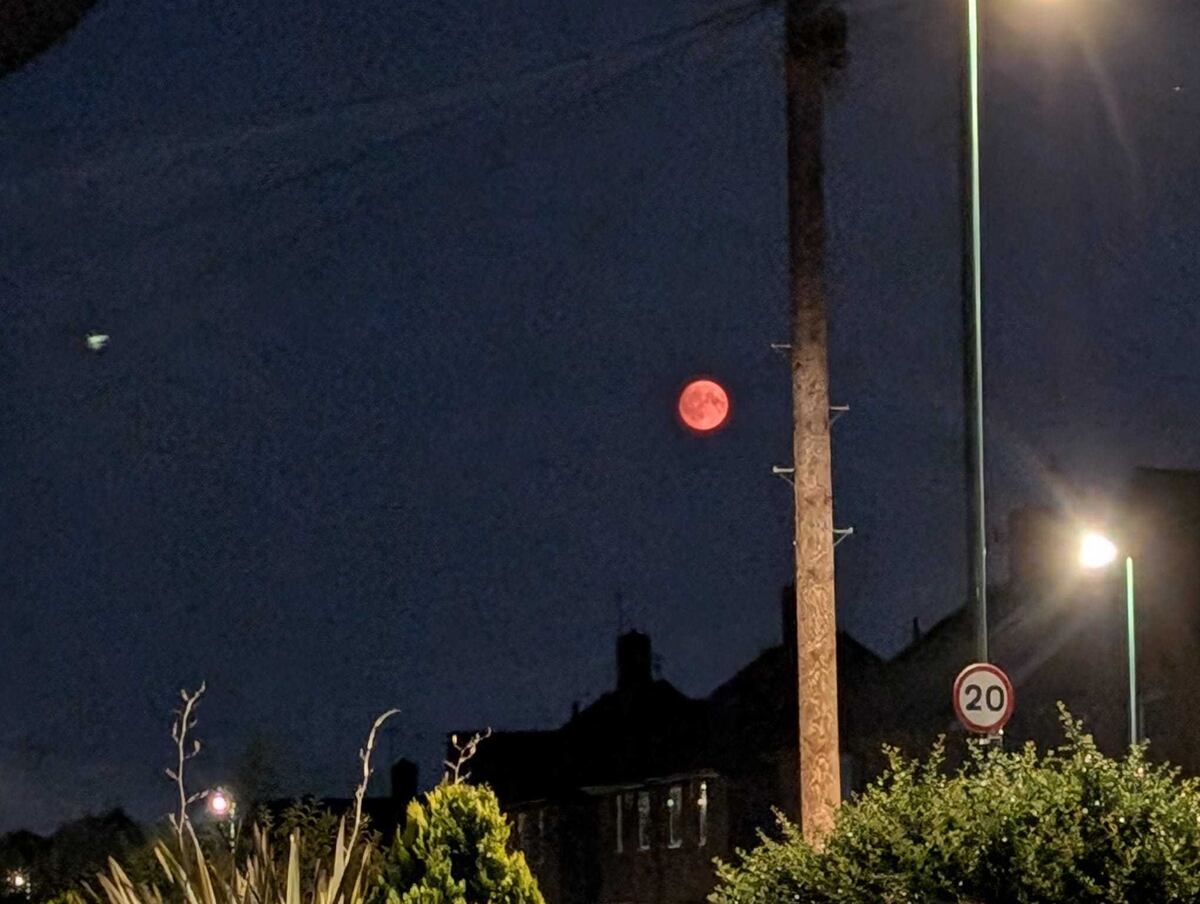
219	804
19	884
223	806
1097	551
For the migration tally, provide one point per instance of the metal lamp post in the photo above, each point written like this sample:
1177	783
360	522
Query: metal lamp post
1097	551
973	314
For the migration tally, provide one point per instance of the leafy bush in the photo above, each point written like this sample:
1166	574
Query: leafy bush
454	849
1069	825
316	829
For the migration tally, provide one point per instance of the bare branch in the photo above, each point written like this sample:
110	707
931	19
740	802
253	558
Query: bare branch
464	752
185	720
365	755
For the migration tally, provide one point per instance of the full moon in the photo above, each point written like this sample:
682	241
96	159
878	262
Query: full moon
703	405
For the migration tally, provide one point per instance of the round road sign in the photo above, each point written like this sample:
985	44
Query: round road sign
983	698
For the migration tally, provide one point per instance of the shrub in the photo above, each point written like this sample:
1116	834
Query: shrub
316	828
1069	825
327	860
263	877
454	849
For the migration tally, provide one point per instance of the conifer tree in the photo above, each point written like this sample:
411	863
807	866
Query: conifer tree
454	850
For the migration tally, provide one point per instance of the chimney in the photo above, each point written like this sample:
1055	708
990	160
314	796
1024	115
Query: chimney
634	659
404	782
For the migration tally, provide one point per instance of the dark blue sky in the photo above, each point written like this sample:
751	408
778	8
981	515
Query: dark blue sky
400	296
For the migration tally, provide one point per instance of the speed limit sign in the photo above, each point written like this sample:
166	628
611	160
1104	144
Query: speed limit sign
983	698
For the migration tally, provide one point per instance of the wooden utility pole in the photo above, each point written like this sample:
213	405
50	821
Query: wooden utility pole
816	631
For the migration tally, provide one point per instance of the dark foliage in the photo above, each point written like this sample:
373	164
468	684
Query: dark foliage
1069	826
27	27
74	853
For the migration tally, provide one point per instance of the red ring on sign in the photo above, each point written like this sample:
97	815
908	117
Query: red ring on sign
1010	696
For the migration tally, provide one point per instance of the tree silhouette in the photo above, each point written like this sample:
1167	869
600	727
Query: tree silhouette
27	27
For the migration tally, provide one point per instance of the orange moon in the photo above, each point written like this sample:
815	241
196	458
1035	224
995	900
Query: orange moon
703	405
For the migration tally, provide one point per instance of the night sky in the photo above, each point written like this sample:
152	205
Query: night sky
400	296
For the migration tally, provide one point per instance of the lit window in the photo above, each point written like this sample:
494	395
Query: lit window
702	810
674	814
620	802
643	820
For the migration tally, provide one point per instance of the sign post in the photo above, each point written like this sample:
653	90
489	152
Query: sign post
983	698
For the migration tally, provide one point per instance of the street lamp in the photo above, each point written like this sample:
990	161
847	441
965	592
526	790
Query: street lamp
223	806
1097	551
18	882
219	803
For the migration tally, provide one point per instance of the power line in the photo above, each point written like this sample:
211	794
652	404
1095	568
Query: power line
441	105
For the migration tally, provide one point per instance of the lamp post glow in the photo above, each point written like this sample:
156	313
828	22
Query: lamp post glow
223	806
18	883
1097	551
218	804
